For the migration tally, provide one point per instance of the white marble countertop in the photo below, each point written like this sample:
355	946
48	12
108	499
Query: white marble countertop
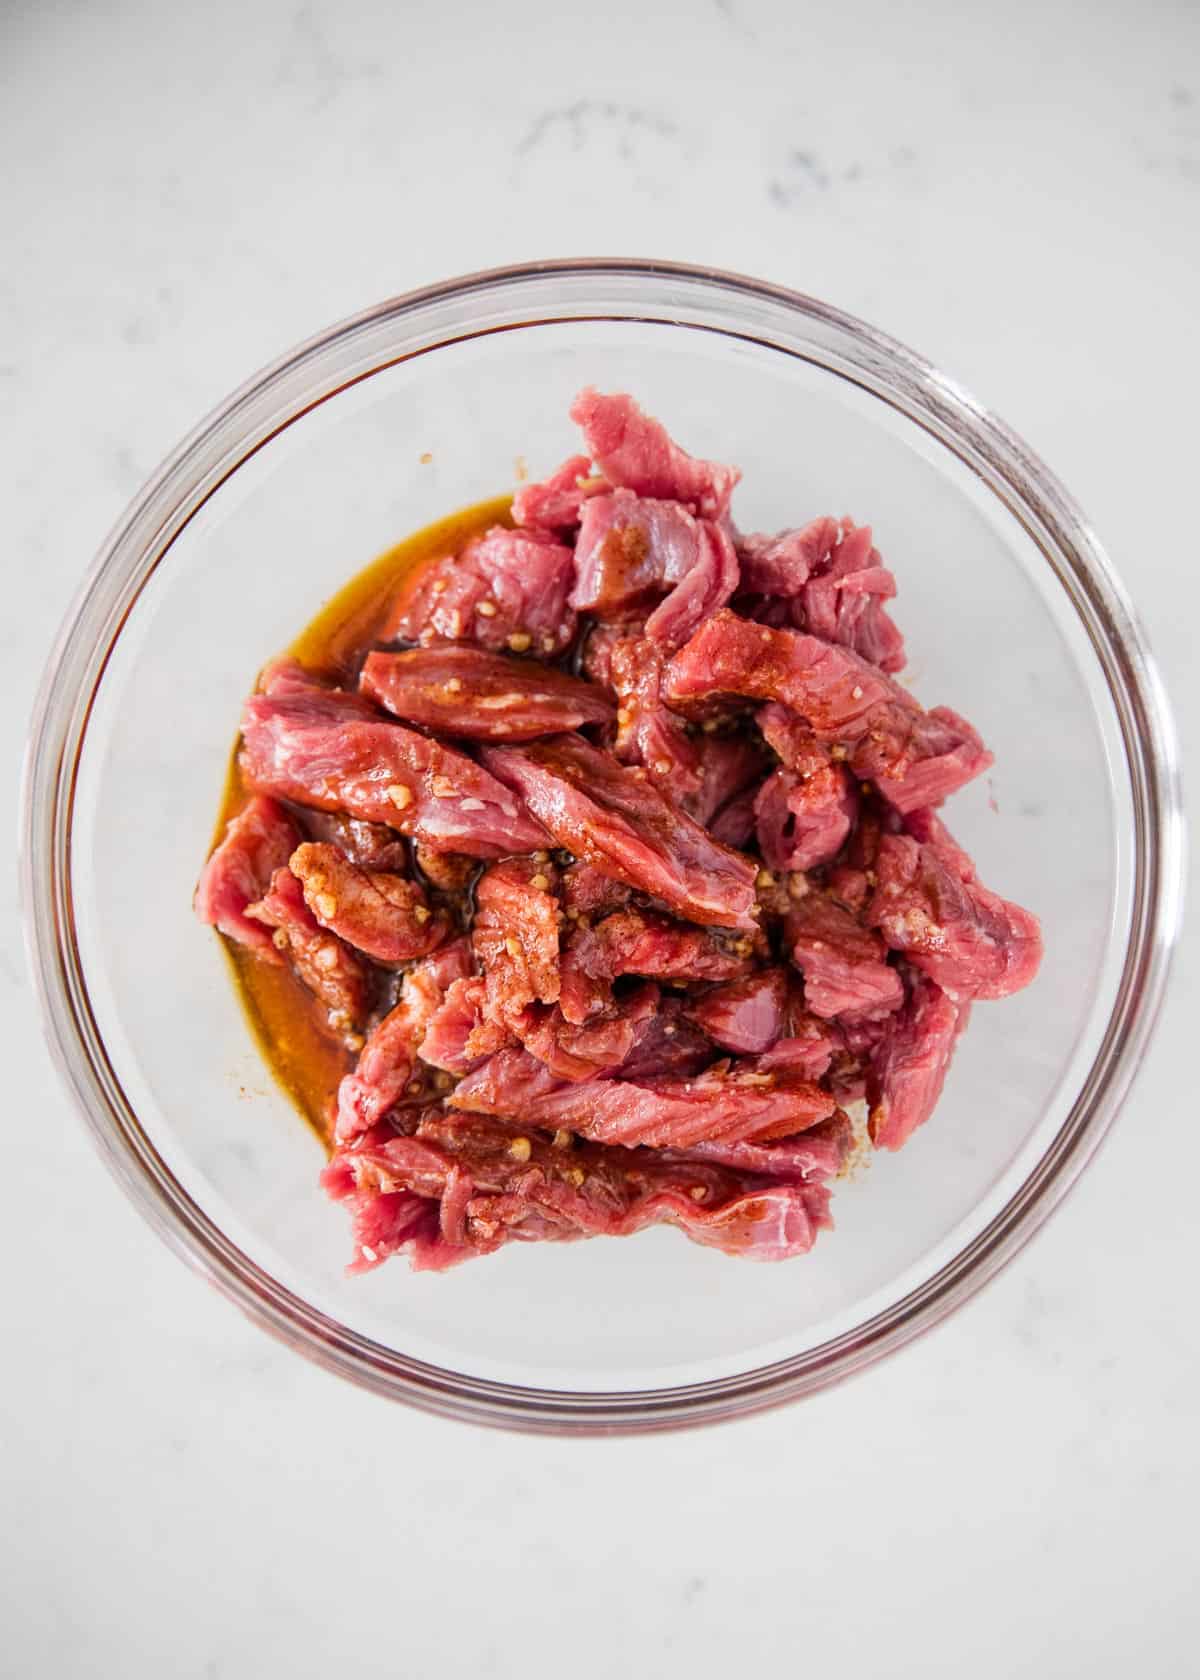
1016	193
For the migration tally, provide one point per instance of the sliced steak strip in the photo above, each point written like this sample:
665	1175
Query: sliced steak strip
482	696
334	973
914	757
634	451
846	974
380	913
489	1183
929	904
257	842
506	590
615	819
323	747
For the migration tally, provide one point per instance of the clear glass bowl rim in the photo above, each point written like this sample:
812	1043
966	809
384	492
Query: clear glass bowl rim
528	295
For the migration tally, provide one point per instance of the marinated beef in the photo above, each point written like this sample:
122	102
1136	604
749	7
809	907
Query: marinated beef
662	876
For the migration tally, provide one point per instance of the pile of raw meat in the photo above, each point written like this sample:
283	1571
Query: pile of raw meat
620	869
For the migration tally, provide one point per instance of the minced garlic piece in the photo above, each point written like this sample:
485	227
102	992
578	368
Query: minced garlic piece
399	795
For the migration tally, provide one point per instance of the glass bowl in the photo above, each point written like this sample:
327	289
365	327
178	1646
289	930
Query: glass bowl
409	411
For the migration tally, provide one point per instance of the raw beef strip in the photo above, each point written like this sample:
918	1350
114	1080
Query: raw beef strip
929	904
588	891
643	942
843	601
505	1185
407	1195
666	1113
323	747
805	1049
506	589
375	911
595	659
816	1154
671	1048
920	759
914	757
830	688
851	880
555	503
257	842
830	583
515	935
707	587
790	737
906	1069
763	1015
844	964
483	696
334	973
731	768
630	549
387	1223
734	823
386	1065
634	451
746	1015
805	810
647	733
802	821
782	564
633	941
601	1044
370	845
617	820
581	995
460	1034
516	942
